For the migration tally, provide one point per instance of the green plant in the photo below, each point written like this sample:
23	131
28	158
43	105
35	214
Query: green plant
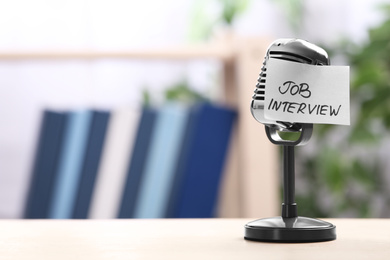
178	92
146	97
207	15
293	11
183	93
346	165
231	9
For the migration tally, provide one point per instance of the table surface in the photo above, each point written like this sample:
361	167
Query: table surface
180	239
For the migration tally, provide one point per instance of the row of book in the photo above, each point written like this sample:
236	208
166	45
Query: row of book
127	163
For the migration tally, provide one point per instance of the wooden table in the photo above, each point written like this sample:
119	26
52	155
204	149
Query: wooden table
180	239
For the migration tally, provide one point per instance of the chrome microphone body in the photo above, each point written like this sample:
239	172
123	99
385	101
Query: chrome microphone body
290	227
294	50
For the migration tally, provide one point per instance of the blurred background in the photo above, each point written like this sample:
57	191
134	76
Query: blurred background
342	172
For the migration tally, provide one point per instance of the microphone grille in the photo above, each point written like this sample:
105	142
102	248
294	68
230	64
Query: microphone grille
259	91
260	85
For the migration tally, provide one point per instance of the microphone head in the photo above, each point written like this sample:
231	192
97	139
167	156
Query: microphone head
294	50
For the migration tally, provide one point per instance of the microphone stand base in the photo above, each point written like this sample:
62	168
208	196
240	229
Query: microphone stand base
290	230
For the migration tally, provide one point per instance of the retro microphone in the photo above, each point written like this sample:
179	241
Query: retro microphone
289	227
294	50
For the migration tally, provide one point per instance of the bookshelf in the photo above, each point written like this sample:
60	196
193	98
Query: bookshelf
180	53
250	186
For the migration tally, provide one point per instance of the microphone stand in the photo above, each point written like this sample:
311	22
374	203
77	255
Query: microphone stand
289	227
289	207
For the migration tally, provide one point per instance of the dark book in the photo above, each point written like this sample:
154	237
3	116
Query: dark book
158	176
137	162
70	164
91	162
198	176
45	164
182	162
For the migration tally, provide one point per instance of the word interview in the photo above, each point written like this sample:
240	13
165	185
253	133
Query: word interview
302	89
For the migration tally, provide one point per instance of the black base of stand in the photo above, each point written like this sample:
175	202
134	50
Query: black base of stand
290	230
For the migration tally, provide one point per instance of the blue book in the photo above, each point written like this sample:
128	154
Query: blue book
160	166
45	164
70	165
183	158
196	191
91	162
137	162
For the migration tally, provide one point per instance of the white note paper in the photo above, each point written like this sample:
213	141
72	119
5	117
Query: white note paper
302	93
